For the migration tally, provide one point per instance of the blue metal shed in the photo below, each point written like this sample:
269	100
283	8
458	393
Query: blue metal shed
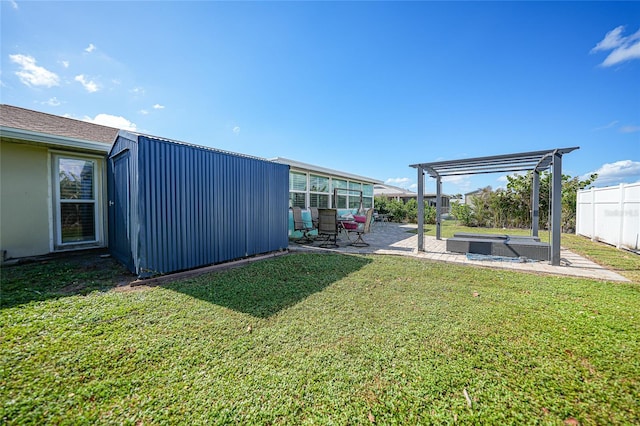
175	206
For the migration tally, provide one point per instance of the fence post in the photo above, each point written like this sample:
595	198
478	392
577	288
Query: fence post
593	214
621	234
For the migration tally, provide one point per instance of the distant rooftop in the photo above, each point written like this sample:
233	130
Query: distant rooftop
391	191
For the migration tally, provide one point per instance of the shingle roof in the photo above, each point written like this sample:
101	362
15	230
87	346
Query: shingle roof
35	121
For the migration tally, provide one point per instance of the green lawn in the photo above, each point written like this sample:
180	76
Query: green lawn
329	339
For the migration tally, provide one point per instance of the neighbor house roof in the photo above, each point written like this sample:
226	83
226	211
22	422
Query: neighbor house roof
395	191
323	170
39	127
392	191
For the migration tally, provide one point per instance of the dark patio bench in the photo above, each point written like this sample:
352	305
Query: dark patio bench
499	245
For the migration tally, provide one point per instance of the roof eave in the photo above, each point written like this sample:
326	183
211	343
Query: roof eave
323	170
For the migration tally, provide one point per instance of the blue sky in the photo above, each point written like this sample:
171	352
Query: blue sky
367	88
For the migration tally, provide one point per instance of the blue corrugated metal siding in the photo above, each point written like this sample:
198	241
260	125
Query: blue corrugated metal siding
198	206
122	145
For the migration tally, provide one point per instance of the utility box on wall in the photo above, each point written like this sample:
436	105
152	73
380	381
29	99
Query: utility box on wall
174	206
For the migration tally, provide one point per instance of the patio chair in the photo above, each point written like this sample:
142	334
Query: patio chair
314	217
328	227
363	224
301	225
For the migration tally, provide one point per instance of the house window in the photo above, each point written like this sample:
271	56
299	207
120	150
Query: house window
319	183
356	186
297	189
367	195
319	200
318	191
297	200
354	201
354	194
341	201
76	200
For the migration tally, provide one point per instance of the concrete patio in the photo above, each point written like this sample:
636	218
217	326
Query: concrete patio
397	239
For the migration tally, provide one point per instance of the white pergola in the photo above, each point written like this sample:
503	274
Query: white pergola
535	162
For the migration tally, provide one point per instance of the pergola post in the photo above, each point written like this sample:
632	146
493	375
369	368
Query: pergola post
438	205
556	207
420	209
535	203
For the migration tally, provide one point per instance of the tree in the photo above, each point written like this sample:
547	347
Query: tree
429	215
520	188
462	213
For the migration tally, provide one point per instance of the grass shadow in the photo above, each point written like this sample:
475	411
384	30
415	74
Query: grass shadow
264	288
60	275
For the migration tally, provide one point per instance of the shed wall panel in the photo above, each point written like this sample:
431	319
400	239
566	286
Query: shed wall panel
198	207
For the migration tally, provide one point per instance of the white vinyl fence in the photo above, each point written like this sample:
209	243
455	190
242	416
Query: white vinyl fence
610	214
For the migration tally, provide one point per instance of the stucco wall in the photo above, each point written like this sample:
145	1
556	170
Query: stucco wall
24	206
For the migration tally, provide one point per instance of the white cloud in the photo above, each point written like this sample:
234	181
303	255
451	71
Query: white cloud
111	121
14	4
413	186
622	48
462	183
456	180
65	64
158	106
90	86
610	41
608	126
143	112
616	173
236	130
402	182
32	74
137	91
629	129
90	48
505	179
52	102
